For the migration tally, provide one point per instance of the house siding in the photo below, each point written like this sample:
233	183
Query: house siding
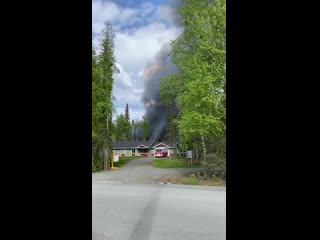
126	152
122	152
116	151
125	148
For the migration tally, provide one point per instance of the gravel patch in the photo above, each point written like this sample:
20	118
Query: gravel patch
141	170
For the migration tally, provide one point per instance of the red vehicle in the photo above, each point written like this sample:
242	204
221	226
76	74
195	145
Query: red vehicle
160	152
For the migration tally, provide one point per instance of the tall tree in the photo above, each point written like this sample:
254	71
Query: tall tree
126	114
145	128
200	53
103	68
171	133
122	129
170	88
134	130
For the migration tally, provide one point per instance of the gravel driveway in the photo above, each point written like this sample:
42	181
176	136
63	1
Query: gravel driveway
140	170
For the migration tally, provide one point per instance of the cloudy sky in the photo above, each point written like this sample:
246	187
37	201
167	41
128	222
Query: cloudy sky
142	28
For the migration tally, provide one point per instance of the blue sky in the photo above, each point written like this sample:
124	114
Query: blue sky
142	28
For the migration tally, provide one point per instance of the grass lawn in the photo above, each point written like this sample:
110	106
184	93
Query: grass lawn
124	160
173	163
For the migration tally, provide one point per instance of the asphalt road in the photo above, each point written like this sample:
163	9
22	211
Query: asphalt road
132	211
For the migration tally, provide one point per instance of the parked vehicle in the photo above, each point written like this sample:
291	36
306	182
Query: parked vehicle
161	152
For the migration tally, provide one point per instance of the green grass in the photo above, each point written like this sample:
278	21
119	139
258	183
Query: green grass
191	180
173	163
124	160
194	180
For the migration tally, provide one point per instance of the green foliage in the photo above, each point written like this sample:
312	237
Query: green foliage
200	55
170	88
103	68
134	127
127	113
191	180
172	125
124	160
145	128
122	129
214	166
215	163
173	163
194	179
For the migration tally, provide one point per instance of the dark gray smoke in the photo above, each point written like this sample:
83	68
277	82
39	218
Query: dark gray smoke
156	112
160	67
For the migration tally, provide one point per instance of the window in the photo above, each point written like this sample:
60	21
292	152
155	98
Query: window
142	150
133	151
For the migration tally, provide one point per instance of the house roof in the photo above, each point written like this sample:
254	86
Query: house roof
170	145
132	144
139	144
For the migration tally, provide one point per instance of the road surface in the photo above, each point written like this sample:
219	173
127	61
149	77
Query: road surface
133	211
140	170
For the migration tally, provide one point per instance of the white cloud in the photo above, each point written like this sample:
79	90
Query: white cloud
123	79
124	96
138	91
101	12
166	14
140	33
147	8
134	50
129	16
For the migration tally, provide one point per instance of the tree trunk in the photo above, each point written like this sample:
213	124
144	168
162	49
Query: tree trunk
107	152
106	159
197	156
204	156
101	159
204	146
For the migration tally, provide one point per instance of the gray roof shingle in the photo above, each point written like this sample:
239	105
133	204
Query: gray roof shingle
135	144
131	144
168	144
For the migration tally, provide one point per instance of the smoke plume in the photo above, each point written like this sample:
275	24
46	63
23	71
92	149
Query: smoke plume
156	112
160	67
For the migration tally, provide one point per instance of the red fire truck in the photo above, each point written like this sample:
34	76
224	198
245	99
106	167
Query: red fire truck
161	152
